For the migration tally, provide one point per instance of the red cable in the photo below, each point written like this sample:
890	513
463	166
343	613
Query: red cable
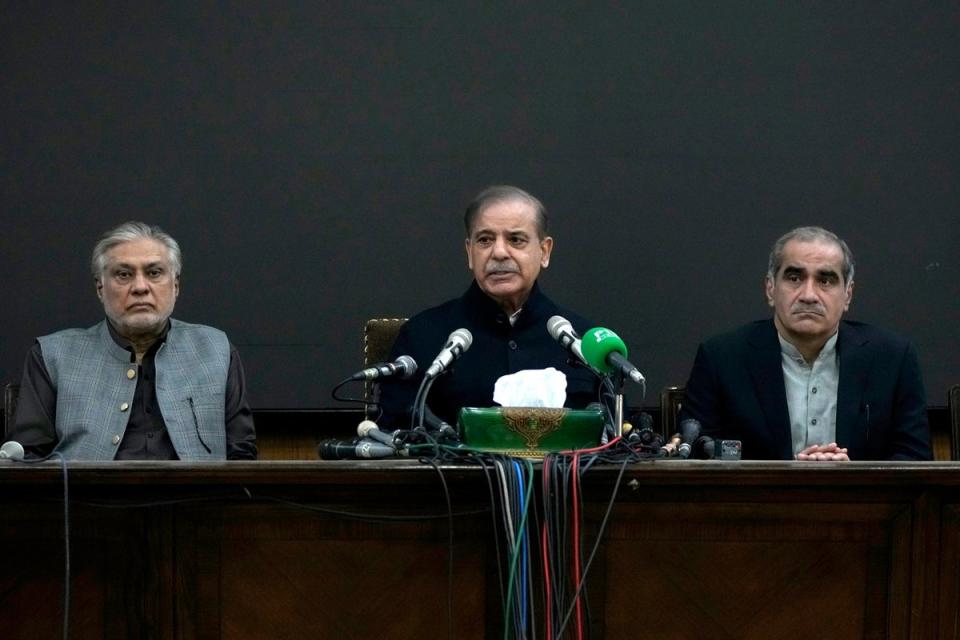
576	523
594	449
576	541
546	557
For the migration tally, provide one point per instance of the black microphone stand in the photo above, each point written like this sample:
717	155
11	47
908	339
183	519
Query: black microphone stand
420	425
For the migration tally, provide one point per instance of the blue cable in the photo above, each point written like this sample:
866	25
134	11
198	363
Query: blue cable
524	546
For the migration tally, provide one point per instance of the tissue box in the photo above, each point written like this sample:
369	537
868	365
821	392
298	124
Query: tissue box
530	431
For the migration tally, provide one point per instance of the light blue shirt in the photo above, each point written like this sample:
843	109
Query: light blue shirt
811	393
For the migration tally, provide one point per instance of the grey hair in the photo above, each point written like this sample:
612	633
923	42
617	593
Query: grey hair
128	232
810	234
503	193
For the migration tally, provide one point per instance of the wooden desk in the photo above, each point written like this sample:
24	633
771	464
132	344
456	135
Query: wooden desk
693	550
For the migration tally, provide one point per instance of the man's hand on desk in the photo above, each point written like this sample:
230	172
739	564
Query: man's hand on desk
829	452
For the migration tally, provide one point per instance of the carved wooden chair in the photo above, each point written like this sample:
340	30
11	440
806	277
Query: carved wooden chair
671	401
10	394
379	334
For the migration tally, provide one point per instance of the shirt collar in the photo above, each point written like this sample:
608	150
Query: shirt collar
123	343
483	306
829	349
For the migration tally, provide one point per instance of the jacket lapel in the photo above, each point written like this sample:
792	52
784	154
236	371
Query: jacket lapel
855	364
766	371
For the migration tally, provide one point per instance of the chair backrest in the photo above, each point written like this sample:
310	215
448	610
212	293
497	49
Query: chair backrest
379	334
671	401
953	401
10	394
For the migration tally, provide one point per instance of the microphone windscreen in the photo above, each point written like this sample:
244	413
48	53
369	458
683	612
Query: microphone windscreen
690	430
365	426
407	367
597	344
463	337
557	325
11	450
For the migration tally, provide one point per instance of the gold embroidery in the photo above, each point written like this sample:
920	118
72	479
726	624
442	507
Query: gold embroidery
533	423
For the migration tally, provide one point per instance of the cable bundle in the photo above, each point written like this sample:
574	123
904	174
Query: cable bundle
566	563
551	531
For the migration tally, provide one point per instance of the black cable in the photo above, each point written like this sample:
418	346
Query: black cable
557	528
596	546
552	514
483	462
379	517
446	495
505	514
333	393
550	526
422	404
100	504
566	533
543	536
67	579
414	408
579	551
559	561
366	517
536	552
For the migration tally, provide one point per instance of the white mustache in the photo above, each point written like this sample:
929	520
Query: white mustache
506	266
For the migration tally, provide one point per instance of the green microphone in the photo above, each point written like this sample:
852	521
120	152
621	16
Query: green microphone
605	351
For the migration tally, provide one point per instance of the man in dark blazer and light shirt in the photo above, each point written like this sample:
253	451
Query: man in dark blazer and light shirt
806	384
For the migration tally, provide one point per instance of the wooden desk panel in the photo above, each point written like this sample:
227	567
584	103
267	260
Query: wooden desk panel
693	550
732	570
948	564
273	571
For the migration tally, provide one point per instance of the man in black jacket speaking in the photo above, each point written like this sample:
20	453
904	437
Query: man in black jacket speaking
504	309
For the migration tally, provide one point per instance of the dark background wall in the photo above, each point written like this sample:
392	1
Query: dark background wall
314	159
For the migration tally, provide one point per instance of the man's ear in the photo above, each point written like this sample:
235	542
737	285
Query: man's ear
769	290
176	287
849	296
546	247
466	245
99	284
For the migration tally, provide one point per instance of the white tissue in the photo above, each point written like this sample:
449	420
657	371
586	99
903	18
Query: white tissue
531	388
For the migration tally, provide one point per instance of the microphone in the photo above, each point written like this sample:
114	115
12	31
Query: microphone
710	449
689	432
11	450
458	342
605	351
337	450
670	449
705	448
642	430
369	429
562	331
403	367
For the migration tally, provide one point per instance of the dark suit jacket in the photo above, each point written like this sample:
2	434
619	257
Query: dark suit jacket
498	348
736	391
